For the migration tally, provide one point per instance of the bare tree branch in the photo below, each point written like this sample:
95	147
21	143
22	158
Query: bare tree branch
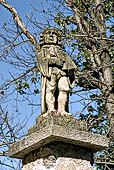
20	23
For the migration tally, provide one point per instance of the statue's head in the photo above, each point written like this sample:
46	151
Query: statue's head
50	36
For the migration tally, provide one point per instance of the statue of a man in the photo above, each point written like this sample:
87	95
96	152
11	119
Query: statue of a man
57	70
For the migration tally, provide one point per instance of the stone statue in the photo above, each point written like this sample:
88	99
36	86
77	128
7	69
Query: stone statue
57	70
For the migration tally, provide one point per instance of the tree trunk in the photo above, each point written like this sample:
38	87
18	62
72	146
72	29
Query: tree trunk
99	60
110	114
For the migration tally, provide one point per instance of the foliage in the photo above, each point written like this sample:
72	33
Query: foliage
87	32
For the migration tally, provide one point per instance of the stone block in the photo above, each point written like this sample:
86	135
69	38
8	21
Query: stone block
58	156
57	129
55	119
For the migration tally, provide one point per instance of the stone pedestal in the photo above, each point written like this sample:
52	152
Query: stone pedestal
58	143
59	156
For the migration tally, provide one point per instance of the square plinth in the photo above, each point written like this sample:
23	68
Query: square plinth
61	132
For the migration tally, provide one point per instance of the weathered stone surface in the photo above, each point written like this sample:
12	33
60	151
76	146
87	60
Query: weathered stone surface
55	150
73	164
54	119
60	164
51	132
58	156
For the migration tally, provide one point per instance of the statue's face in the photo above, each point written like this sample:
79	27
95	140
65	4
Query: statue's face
51	37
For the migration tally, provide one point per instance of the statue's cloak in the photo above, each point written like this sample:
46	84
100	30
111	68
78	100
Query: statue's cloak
43	58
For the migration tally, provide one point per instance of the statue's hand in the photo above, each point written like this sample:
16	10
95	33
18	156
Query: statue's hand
59	62
55	61
52	61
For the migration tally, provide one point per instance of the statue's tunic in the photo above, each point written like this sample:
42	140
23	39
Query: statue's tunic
53	61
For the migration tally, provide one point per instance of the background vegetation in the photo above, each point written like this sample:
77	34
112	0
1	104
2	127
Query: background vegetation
87	32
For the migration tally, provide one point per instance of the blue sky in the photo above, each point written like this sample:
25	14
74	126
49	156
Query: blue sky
23	7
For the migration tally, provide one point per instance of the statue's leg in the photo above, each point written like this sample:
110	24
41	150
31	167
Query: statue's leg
63	87
50	90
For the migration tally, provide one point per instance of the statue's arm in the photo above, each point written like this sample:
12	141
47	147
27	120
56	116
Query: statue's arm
69	64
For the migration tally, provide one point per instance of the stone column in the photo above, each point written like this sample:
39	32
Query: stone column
58	143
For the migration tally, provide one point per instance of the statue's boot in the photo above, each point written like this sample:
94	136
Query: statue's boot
50	101
62	101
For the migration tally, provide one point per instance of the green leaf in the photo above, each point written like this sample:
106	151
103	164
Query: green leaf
36	91
33	80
